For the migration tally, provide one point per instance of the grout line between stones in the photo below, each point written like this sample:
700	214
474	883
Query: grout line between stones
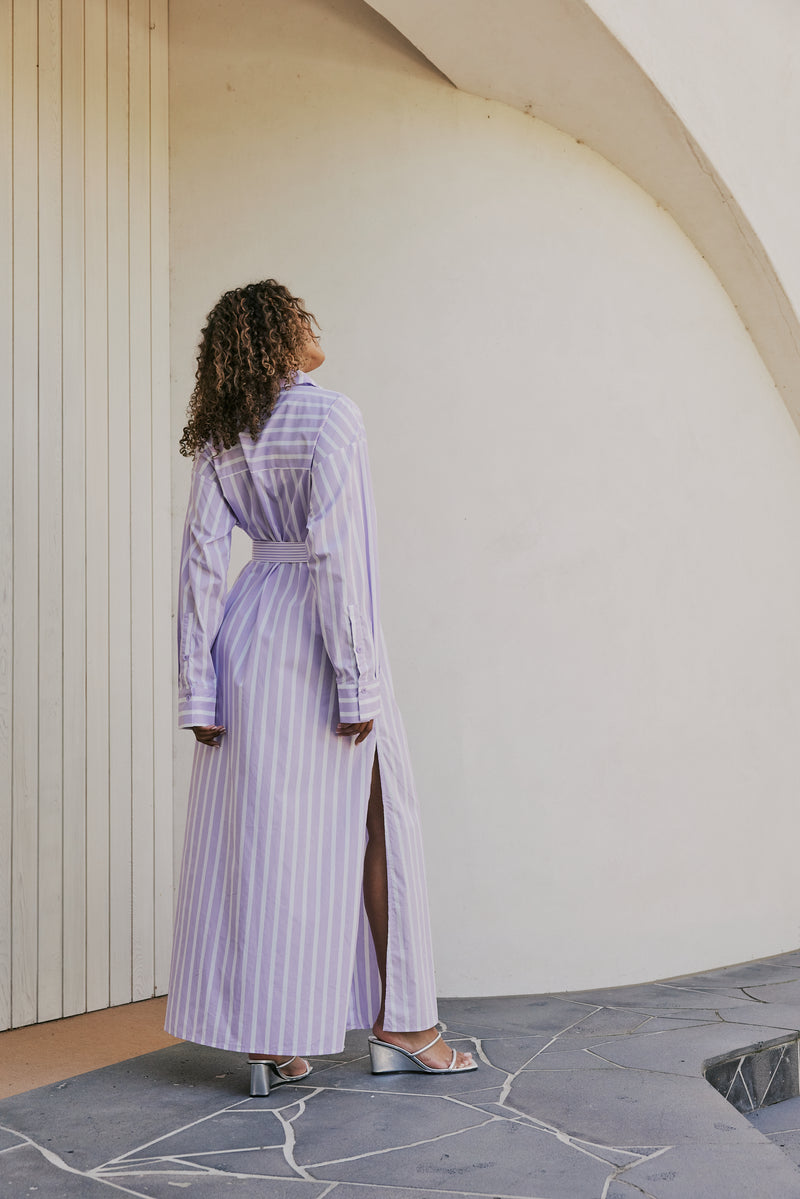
356	1157
289	1145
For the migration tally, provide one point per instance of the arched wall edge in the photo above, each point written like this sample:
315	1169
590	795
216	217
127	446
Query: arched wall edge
557	61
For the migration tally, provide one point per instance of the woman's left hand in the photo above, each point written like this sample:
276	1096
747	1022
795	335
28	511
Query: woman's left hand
360	731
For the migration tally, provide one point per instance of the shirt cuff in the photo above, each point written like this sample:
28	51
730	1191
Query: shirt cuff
359	701
196	709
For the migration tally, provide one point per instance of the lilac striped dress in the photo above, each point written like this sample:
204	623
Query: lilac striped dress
272	950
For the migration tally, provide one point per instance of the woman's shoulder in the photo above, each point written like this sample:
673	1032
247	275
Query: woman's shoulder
306	388
343	425
339	416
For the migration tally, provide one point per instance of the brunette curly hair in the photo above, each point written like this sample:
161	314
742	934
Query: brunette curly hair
254	341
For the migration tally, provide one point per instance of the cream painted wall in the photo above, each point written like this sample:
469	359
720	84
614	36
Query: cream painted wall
587	484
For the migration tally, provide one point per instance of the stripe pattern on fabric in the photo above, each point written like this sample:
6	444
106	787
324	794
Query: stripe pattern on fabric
272	949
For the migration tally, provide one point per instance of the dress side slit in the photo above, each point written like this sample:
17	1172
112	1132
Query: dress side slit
376	886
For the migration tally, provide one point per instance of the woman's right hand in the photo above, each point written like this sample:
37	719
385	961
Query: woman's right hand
205	733
359	730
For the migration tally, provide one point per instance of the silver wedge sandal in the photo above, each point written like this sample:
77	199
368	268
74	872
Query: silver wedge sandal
260	1071
391	1059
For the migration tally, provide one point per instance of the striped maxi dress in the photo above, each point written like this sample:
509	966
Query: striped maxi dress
272	950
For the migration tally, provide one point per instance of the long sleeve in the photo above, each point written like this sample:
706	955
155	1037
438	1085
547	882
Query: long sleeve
205	554
343	560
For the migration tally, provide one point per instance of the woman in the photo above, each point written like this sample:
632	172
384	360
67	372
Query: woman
288	930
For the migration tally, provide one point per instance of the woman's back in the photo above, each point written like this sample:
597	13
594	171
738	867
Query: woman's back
267	481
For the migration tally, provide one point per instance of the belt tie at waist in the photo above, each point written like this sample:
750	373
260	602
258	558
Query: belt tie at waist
279	551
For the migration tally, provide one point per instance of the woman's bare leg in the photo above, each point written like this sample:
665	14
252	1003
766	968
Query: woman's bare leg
376	902
376	884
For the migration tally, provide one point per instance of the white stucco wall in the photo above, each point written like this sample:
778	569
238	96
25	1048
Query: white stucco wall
588	491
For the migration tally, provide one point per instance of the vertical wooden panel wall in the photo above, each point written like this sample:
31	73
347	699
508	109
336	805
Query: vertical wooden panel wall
85	636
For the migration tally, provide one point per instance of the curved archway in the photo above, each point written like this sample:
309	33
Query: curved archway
557	60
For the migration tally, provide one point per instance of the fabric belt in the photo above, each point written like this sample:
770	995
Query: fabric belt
279	551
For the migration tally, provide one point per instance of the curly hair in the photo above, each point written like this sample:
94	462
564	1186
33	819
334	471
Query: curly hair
254	341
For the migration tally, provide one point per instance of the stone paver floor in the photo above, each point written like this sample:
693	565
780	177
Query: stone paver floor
781	1124
585	1095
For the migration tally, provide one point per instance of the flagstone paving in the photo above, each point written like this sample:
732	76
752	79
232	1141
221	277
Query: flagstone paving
586	1095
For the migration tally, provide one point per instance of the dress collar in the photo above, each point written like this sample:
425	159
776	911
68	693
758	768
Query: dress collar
301	379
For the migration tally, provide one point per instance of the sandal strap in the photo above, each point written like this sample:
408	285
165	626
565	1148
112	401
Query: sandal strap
279	1069
425	1048
269	1061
